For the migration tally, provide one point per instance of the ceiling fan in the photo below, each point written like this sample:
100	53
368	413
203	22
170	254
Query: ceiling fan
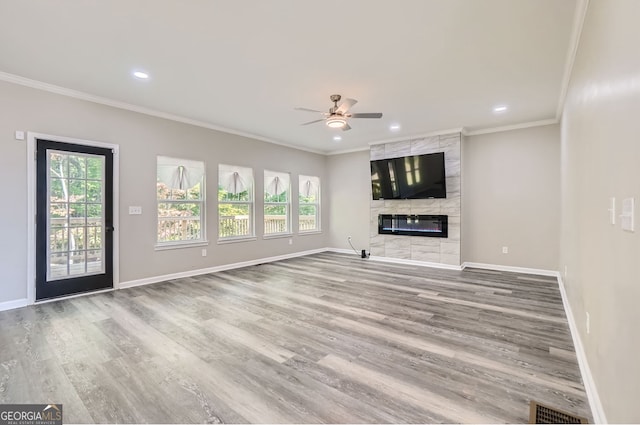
338	115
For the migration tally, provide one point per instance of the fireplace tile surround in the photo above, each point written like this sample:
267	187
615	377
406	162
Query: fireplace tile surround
431	250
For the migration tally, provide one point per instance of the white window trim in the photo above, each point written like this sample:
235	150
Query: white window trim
278	235
309	232
317	204
180	245
202	241
289	228
252	210
236	239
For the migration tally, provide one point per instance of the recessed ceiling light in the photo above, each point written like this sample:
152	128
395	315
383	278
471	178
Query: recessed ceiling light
394	127
337	138
501	108
141	75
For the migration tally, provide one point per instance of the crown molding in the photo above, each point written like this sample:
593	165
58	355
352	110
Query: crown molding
340	152
530	124
576	31
52	88
418	136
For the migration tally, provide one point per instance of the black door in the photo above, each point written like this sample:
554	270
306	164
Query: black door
74	219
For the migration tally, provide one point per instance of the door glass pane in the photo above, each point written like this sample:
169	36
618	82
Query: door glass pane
75	185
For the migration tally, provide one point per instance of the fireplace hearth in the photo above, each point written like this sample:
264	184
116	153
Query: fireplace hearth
433	226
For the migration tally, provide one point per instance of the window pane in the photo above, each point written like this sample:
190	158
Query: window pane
178	194
94	191
163	191
194	193
59	165
77	263
308	217
77	237
94	168
58	239
76	190
77	167
171	229
180	181
276	219
58	265
283	197
309	189
57	190
224	195
94	261
179	222
234	220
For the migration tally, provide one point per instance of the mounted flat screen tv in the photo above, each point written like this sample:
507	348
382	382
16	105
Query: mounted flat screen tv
409	177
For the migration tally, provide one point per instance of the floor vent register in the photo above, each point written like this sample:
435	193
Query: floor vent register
541	414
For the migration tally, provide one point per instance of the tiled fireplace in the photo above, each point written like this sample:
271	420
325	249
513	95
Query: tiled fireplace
441	249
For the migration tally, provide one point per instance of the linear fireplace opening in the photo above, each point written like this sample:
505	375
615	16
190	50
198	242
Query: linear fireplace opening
434	226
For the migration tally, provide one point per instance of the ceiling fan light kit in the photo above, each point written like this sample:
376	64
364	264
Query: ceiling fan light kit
337	115
336	122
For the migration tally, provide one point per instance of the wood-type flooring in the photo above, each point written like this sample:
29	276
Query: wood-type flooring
326	338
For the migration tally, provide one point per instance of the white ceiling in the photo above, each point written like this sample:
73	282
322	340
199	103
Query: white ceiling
244	65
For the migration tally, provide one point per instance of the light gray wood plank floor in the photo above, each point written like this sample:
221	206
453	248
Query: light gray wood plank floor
323	338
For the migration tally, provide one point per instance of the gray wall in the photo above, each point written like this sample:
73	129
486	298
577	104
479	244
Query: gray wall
512	198
141	138
350	193
509	178
600	154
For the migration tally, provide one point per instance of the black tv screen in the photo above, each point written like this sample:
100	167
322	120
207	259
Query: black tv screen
409	177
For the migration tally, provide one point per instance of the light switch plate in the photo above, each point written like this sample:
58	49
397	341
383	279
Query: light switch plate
19	135
135	210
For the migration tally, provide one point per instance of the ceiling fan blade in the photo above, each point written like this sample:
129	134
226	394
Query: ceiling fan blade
307	110
346	127
311	122
367	115
346	104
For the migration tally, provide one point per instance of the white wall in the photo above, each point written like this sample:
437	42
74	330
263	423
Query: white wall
600	159
141	139
512	198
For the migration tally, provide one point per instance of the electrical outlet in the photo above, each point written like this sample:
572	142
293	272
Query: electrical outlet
505	249
204	252
349	238
135	210
290	241
588	323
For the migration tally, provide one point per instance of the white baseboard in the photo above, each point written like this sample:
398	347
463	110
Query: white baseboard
10	305
497	267
589	384
415	263
343	251
398	260
190	273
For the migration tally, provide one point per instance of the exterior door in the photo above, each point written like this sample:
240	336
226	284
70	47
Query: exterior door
74	219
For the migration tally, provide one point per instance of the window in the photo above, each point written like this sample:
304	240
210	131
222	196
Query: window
277	187
180	190
309	209
235	202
